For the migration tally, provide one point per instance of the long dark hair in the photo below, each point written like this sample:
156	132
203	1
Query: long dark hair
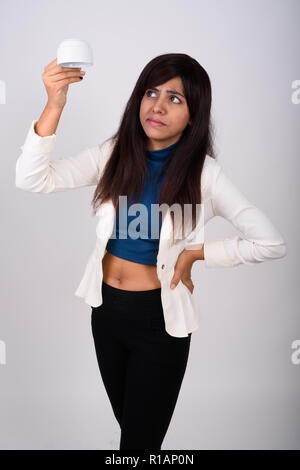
126	168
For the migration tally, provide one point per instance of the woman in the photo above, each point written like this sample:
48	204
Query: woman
138	285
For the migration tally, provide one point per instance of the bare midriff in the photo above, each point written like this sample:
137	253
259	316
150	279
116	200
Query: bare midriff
128	275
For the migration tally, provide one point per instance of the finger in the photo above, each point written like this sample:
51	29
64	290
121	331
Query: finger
176	278
68	81
66	75
54	63
58	69
54	66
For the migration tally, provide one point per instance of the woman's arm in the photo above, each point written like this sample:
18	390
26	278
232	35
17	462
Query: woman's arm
261	241
48	122
36	172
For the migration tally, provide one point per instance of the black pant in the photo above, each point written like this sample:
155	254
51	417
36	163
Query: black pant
142	366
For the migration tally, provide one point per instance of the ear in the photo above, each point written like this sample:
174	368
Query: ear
190	122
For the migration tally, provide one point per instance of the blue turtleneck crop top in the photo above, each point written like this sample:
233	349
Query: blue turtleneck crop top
141	250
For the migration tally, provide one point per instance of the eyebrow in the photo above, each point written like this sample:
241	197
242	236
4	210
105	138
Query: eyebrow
169	91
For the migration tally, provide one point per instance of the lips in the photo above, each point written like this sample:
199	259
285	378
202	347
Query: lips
156	122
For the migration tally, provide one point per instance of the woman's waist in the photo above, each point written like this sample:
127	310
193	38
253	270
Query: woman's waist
129	275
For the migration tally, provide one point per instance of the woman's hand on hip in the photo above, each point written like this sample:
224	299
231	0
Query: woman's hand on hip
182	270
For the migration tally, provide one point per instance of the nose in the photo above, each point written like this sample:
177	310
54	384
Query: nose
158	106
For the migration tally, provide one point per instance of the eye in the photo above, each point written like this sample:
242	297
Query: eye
149	91
172	96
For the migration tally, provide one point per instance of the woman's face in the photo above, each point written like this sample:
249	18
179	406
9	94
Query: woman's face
163	104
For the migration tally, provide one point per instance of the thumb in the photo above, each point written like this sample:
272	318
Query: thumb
175	280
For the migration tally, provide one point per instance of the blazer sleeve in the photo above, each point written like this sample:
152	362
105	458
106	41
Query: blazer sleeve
260	240
36	172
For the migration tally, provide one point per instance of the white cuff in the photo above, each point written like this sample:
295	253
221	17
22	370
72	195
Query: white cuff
215	254
37	144
195	246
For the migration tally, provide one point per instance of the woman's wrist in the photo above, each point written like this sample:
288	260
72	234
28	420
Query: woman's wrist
196	253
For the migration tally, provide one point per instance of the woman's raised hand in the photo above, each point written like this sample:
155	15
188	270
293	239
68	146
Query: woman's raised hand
56	80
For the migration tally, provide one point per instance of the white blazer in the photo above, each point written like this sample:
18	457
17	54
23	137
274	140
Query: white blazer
36	172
